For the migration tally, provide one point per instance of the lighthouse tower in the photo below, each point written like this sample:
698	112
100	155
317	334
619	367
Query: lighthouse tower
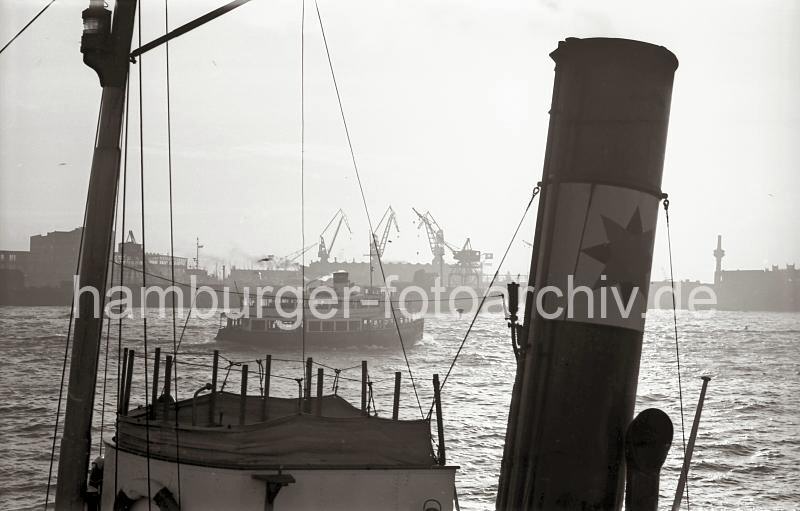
718	255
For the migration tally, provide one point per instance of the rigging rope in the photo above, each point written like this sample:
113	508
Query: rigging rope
66	359
183	330
677	350
121	271
172	254
303	172
483	299
144	259
366	208
108	326
105	380
105	302
23	29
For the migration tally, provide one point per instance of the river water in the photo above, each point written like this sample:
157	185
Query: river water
747	454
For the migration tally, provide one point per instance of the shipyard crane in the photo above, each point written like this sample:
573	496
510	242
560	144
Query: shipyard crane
297	253
468	260
287	260
435	236
325	249
378	245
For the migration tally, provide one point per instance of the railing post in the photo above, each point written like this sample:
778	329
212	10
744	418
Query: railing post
167	385
307	386
156	370
320	379
396	405
442	457
126	398
363	387
243	397
122	379
212	399
265	400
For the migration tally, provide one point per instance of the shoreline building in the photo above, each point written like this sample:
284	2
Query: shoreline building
771	289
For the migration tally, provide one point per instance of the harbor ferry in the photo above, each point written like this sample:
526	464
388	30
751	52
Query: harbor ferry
337	319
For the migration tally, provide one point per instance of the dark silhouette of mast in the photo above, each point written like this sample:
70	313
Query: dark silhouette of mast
577	371
106	48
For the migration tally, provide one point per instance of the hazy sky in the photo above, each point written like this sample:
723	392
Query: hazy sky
447	107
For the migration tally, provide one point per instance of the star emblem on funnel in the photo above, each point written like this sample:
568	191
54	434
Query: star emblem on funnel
626	254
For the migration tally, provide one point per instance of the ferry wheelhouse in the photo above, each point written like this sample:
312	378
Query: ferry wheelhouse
335	317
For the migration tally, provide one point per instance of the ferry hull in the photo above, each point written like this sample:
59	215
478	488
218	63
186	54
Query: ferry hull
411	332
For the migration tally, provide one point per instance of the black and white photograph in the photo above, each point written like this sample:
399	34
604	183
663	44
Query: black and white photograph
420	255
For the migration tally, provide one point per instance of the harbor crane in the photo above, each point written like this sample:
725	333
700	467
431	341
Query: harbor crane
435	237
377	245
287	260
325	249
468	261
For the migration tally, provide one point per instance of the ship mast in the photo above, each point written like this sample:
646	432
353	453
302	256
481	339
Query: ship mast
106	48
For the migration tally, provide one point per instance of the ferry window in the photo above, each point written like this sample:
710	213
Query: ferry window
355	325
258	324
341	326
313	326
327	326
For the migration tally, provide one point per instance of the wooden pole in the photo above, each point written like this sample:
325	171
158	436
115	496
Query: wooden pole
106	51
156	369
396	405
687	460
243	397
307	382
212	401
121	389
126	399
167	385
320	379
442	457
363	387
307	386
265	400
299	395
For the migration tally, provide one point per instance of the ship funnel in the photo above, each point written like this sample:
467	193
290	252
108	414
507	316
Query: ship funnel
593	247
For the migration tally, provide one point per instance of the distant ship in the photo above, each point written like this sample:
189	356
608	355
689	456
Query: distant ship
349	320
